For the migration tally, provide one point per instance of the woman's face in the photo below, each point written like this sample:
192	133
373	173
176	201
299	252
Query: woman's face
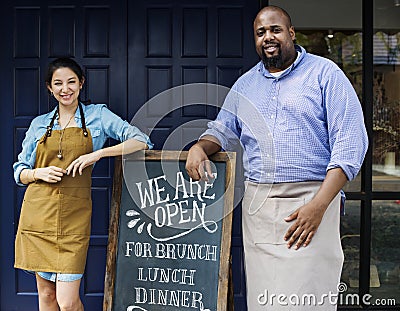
65	86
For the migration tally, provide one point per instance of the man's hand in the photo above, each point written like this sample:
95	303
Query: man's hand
197	163
306	222
308	217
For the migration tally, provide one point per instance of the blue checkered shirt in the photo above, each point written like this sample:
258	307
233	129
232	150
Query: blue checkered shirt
294	127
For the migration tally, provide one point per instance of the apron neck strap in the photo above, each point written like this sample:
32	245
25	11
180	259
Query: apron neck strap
85	132
49	128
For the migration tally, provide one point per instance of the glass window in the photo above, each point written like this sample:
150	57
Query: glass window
386	106
350	237
385	251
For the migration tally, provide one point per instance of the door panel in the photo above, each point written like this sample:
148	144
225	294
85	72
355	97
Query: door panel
131	51
172	43
94	33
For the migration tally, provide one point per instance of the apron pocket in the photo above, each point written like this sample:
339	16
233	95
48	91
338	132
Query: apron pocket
39	214
270	226
75	215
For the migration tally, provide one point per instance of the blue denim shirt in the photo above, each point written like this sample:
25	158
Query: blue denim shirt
101	122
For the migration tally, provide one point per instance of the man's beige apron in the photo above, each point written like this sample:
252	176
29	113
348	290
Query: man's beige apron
279	278
54	226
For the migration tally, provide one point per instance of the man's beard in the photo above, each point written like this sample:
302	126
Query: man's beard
273	61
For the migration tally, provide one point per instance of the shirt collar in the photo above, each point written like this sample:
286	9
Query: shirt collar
267	74
50	115
77	113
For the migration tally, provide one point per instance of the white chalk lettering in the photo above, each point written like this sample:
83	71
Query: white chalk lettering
183	212
179	213
197	184
212	252
160	250
148	194
165	297
160	216
172	211
159	190
174	251
167	275
199	212
180	183
140	249
208	186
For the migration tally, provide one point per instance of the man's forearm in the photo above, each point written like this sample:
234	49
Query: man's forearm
334	181
209	144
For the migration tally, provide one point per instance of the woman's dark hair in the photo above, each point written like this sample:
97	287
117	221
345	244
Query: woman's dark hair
64	62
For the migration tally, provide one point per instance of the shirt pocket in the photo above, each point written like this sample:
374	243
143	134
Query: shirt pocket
95	132
270	226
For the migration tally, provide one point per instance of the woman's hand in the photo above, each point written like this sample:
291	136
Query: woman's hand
50	174
79	164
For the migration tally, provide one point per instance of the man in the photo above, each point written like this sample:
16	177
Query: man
315	134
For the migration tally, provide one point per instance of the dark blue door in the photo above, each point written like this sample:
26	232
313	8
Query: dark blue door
131	51
94	32
178	42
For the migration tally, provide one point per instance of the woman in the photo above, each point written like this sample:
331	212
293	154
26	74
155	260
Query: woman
56	162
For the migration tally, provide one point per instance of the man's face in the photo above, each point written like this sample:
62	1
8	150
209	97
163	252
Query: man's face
273	38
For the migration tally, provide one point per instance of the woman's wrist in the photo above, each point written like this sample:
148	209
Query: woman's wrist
100	154
34	175
27	176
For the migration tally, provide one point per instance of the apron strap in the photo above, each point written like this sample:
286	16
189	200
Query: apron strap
85	132
49	128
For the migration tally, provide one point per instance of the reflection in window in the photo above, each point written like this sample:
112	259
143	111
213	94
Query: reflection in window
345	49
385	248
386	118
350	238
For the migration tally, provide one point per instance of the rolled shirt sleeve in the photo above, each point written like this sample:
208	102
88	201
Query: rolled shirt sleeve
348	138
26	158
226	126
119	129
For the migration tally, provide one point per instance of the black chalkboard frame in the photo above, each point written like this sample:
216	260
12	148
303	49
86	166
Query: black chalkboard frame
225	290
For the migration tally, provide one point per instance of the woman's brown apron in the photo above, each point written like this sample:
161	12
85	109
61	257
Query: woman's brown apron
54	226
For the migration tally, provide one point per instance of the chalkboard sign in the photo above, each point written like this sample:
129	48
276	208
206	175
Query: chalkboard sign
170	236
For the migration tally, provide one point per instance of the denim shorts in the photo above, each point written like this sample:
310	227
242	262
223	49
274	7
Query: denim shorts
62	277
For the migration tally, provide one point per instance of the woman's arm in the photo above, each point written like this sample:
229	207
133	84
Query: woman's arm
27	176
50	174
126	147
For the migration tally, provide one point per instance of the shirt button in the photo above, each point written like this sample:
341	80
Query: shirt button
274	97
272	116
